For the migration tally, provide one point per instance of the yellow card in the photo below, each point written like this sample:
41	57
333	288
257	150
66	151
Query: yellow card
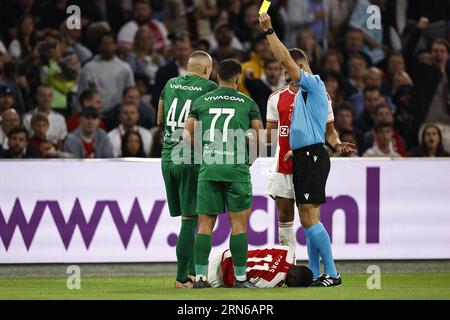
265	7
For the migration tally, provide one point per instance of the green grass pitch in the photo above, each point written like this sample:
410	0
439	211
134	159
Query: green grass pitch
407	286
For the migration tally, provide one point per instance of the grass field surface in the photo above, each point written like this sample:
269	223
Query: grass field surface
414	286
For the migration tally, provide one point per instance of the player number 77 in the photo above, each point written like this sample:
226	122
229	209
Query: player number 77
217	113
171	122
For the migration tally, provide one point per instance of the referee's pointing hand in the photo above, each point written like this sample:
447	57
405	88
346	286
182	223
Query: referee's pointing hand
345	148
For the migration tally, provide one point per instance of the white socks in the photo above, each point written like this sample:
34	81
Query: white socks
286	235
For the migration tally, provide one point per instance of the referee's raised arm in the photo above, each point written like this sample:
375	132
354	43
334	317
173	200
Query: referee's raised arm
279	50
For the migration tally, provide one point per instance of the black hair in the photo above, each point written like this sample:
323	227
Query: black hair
18	129
228	69
87	95
135	2
125	152
21	37
104	35
299	276
344	106
383	125
423	150
371	89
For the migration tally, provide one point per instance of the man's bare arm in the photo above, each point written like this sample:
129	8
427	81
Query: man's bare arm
270	127
160	117
189	128
333	139
279	50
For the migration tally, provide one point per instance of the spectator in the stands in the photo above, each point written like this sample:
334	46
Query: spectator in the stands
332	61
383	114
373	37
89	141
395	65
53	14
247	28
129	121
132	145
431	98
9	119
174	68
11	82
313	14
6	97
17	145
405	122
344	116
353	45
107	73
224	35
38	142
261	89
142	13
383	144
88	98
340	12
72	40
357	69
57	130
307	42
431	145
254	68
147	113
372	98
144	59
334	84
26	40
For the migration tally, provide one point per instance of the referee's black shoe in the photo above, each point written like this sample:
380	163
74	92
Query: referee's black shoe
327	281
201	284
243	284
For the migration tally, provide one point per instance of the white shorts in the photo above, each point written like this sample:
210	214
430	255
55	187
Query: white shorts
281	186
215	270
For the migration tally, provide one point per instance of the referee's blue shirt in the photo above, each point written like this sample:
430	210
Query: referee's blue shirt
309	119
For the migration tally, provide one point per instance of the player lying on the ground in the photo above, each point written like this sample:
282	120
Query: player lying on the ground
266	268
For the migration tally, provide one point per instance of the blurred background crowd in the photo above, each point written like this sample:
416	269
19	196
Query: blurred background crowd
93	93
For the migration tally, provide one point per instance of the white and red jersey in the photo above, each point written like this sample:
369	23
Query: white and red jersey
280	107
266	268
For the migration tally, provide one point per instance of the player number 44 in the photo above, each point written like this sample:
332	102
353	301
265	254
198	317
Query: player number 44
171	122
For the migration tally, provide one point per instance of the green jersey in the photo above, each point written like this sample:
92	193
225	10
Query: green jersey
178	95
225	116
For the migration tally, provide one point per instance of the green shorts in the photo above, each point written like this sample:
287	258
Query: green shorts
181	188
212	196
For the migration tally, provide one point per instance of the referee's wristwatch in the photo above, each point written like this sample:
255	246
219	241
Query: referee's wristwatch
269	31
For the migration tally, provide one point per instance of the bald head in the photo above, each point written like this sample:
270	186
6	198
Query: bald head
200	64
9	119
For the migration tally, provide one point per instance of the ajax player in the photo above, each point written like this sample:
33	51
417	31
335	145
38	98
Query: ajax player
266	268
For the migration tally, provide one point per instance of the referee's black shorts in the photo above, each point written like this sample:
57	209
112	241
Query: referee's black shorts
311	167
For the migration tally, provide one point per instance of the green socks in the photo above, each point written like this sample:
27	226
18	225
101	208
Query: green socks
202	250
185	246
239	251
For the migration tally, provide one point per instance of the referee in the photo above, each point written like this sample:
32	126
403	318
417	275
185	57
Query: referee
311	162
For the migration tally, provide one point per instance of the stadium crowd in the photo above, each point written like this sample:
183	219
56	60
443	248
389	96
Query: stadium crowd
93	93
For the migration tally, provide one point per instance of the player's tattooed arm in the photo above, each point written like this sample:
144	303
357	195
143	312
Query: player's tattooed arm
279	50
160	117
